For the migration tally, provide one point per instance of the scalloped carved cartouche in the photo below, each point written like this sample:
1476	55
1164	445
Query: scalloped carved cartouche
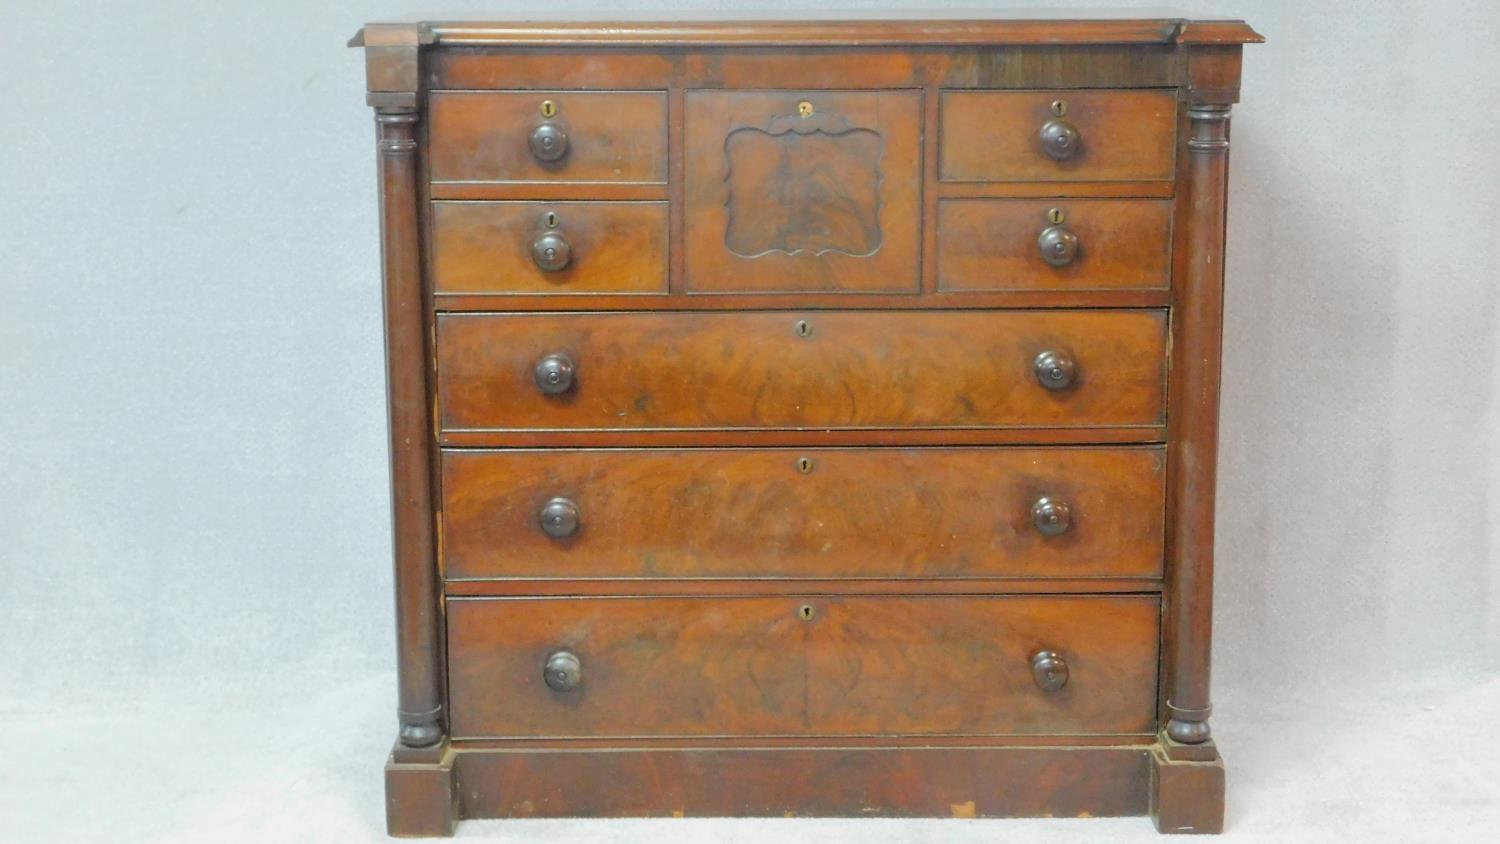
807	184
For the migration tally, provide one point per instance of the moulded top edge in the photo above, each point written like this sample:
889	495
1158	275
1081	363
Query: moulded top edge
890	29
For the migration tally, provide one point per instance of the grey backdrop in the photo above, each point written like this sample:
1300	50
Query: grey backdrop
194	522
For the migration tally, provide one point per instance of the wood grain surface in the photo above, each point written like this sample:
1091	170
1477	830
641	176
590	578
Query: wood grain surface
803	513
485	247
994	135
752	370
779	200
991	244
878	665
616	136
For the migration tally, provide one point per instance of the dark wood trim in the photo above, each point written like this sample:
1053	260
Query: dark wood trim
992	299
1187	796
421	798
499	191
806	782
623	587
1042	190
1143	742
419	625
1014	28
775	437
1197	323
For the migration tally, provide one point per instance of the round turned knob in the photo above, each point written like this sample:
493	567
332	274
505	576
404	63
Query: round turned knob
1060	139
1049	670
1055	370
548	142
1058	246
551	252
563	672
559	518
554	375
1051	516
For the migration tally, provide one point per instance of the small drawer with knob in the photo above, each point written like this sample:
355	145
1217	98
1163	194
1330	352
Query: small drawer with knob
746	372
802	665
549	247
1061	135
843	513
1054	244
548	136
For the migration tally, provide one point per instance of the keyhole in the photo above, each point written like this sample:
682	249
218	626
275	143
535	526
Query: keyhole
805	108
804	465
550	220
803	328
1056	215
1059	108
549	108
805	612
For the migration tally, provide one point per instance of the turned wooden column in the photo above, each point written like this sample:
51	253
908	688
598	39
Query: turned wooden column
392	58
1197	323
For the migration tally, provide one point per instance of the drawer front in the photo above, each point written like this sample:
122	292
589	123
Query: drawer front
487	136
803	191
809	513
1054	244
999	135
849	370
801	666
549	247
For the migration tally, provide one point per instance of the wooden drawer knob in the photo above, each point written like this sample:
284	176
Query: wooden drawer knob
559	518
1058	246
564	672
548	142
1051	516
551	252
1049	670
1055	369
1060	139
554	375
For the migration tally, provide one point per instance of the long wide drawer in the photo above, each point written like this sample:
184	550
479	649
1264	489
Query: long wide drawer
844	370
802	666
808	513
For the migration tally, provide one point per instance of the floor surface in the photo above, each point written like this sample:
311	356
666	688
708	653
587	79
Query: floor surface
231	760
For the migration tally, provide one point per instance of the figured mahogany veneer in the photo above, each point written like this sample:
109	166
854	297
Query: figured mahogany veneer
804	417
991	135
486	247
802	190
613	137
802	665
992	244
804	513
755	370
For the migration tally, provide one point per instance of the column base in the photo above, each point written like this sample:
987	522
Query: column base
1187	788
420	798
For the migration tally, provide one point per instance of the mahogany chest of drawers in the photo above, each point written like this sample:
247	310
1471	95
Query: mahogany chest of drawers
804	418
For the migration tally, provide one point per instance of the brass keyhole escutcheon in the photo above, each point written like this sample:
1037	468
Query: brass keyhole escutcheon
805	109
805	612
1059	107
804	465
803	328
549	108
549	220
1056	216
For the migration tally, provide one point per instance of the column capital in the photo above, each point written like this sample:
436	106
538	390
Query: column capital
392	63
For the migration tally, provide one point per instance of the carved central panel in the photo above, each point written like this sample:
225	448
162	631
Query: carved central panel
799	188
802	191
